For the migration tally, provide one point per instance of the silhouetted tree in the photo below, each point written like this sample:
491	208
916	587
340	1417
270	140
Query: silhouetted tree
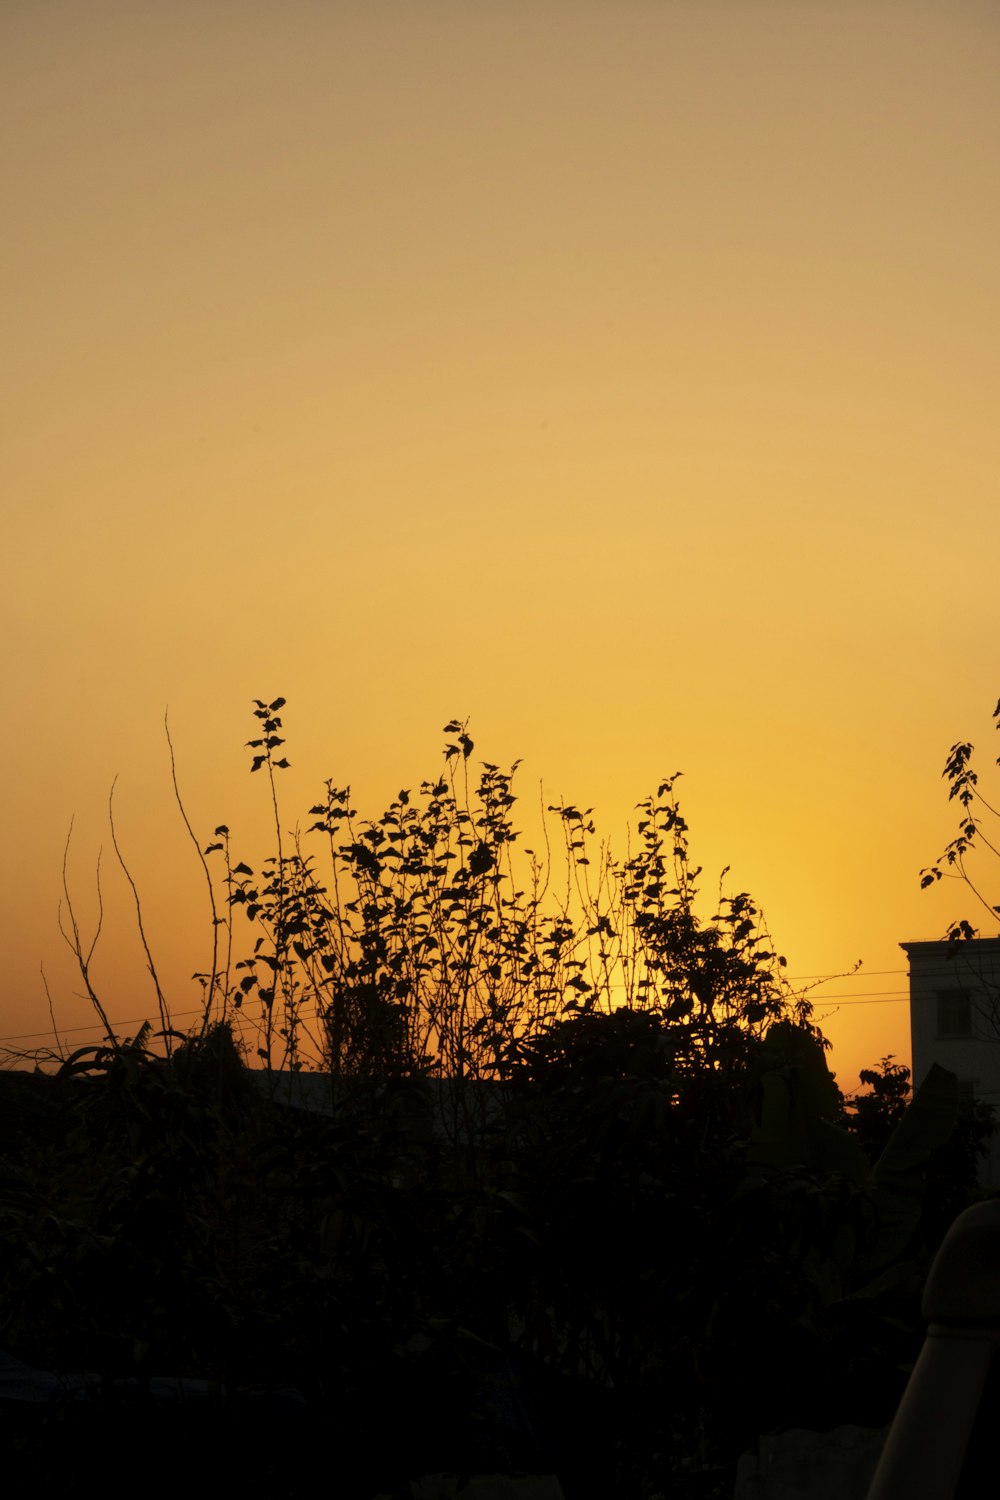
874	1115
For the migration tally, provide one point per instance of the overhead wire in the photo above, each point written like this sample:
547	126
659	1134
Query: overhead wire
873	997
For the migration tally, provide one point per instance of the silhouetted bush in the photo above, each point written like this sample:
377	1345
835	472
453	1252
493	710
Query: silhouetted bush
583	1200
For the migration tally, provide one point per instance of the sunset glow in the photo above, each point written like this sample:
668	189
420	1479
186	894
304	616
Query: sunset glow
620	377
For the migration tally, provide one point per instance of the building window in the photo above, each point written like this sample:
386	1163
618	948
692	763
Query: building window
966	1091
954	1013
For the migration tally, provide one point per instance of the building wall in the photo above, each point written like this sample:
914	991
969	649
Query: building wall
941	974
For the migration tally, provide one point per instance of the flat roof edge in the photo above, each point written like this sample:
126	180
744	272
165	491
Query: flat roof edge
991	944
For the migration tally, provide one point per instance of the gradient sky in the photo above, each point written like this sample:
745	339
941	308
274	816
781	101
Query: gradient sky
622	376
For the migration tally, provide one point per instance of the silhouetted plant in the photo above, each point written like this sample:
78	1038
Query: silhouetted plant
655	1228
430	947
964	787
875	1113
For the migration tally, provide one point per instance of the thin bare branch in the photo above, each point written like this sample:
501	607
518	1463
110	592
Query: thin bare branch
165	1022
74	942
214	976
52	1013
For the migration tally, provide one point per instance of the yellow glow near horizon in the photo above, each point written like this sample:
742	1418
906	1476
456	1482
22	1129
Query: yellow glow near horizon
622	377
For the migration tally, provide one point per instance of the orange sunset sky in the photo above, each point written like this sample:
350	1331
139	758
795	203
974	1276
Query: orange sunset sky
622	376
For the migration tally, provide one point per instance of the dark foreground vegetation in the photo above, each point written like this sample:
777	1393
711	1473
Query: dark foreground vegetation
584	1199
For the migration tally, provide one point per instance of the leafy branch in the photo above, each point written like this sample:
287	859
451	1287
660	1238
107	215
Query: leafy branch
964	788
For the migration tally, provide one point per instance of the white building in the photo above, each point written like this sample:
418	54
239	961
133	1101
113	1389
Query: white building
955	1019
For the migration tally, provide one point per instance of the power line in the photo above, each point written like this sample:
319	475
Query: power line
891	1000
865	993
96	1028
874	997
861	974
26	1036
